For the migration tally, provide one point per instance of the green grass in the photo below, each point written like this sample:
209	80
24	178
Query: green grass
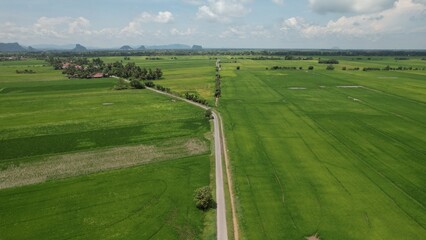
193	74
49	117
307	156
148	202
316	160
46	116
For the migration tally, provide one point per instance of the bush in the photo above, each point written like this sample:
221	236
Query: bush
311	68
208	114
150	84
330	67
238	67
137	84
121	84
203	198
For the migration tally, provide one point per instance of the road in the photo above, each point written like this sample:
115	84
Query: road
222	230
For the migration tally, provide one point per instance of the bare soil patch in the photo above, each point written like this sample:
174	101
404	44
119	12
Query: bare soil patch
313	237
349	86
297	88
82	163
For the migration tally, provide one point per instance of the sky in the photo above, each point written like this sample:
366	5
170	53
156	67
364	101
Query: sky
345	24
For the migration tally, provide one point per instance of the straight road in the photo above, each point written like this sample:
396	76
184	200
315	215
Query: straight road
222	230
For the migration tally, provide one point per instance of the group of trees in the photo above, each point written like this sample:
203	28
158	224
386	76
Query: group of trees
83	68
328	61
388	68
289	68
289	57
131	71
123	84
196	98
285	68
402	58
218	90
78	67
26	71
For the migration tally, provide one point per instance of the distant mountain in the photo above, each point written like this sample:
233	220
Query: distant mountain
126	48
79	48
54	47
31	49
197	47
142	47
170	46
12	47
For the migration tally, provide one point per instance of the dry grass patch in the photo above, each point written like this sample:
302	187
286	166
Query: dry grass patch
81	163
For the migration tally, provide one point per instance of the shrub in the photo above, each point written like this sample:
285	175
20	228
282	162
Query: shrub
150	84
121	84
311	68
208	114
137	84
330	67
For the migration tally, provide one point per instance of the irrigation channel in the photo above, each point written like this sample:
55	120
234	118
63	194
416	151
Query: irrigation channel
220	150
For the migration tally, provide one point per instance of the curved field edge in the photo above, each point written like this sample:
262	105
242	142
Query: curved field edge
152	201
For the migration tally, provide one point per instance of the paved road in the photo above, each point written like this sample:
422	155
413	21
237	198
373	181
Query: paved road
222	230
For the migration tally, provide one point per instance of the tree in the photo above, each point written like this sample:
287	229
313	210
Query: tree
330	67
121	84
203	198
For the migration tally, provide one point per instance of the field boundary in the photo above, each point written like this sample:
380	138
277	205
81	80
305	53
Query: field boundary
98	160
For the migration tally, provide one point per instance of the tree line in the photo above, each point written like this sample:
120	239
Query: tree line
288	68
80	67
328	61
26	71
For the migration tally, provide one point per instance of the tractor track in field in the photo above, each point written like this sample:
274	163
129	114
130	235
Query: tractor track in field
220	150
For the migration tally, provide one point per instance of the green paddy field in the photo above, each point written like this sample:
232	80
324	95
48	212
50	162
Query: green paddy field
337	153
82	161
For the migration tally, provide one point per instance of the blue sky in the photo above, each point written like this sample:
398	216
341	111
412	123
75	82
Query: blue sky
385	24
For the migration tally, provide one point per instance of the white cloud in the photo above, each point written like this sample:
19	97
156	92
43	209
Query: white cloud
160	17
353	6
193	2
134	27
223	10
420	1
60	27
246	32
279	2
404	17
187	32
79	25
